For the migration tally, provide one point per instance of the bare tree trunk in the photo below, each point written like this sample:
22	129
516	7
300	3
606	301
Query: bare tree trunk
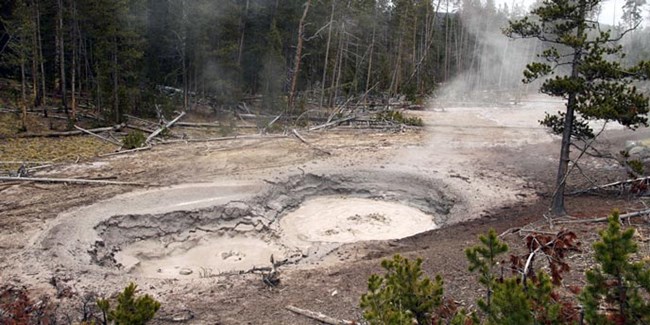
40	58
327	53
35	74
298	58
242	31
116	98
60	56
23	89
372	50
75	27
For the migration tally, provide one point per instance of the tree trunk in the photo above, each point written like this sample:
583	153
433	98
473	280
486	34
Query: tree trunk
60	56
75	28
23	89
557	206
116	97
327	54
298	58
242	31
41	61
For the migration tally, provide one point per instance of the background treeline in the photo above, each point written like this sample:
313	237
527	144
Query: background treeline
118	56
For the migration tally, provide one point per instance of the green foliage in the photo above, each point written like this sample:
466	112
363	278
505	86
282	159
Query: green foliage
133	140
483	259
402	295
399	117
616	283
130	310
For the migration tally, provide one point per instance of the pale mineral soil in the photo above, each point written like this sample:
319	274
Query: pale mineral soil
488	166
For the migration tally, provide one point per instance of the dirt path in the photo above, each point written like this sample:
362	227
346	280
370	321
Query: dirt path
226	209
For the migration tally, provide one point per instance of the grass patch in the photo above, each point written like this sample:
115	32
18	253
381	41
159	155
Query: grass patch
58	150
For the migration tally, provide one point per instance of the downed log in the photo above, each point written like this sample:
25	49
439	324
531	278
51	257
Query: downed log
603	219
319	316
65	133
611	185
66	180
309	144
166	126
236	137
131	117
125	151
139	128
337	122
204	125
98	136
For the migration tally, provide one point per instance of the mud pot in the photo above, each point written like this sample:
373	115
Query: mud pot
235	227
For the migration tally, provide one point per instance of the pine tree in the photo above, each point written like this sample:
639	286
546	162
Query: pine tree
403	295
577	67
483	258
616	283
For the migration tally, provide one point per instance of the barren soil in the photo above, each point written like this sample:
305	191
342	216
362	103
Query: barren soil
210	210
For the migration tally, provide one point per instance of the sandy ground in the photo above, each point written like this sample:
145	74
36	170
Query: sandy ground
477	159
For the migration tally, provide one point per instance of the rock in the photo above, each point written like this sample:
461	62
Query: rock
185	271
629	144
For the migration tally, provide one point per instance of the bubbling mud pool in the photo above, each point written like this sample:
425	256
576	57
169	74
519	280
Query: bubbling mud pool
298	221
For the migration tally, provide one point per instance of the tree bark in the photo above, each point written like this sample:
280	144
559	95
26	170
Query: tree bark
23	89
298	58
557	205
75	29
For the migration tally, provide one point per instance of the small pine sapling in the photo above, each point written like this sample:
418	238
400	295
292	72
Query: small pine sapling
402	295
617	285
483	259
130	310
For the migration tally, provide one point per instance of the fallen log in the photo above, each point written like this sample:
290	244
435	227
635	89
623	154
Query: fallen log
125	151
131	117
166	126
309	144
236	137
319	316
603	219
66	180
349	118
203	125
139	128
611	185
98	136
64	133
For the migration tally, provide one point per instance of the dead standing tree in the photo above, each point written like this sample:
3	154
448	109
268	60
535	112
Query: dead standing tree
298	57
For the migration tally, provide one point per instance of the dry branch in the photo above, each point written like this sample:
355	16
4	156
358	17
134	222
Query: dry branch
166	126
307	143
603	219
65	133
66	180
319	316
204	125
606	186
236	137
337	122
125	151
98	136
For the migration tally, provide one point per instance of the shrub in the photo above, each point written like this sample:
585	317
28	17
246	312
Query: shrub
402	295
130	310
399	117
134	140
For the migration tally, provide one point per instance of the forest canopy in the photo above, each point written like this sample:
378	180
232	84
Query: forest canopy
119	56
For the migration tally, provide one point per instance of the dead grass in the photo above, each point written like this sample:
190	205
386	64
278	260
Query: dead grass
57	150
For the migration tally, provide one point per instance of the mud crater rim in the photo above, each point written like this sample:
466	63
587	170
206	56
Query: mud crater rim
241	235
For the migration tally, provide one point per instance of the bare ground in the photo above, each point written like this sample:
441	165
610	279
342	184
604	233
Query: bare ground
494	163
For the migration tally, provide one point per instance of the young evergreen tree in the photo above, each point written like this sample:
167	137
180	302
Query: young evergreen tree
616	283
578	65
